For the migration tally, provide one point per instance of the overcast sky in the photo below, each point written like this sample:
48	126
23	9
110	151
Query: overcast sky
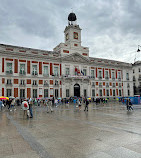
110	28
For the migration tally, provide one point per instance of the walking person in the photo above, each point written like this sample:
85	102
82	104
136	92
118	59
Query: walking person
25	107
13	104
56	102
130	105
79	104
30	107
49	106
74	104
1	105
86	105
127	104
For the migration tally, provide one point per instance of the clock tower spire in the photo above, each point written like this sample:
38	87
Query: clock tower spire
72	31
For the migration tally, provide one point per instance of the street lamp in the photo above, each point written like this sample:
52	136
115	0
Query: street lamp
138	48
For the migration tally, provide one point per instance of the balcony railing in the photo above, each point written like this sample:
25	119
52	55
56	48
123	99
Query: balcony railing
100	78
106	78
34	73
92	77
22	73
128	86
56	85
36	85
9	72
46	84
21	85
93	86
139	79
46	75
100	86
127	79
134	79
76	77
113	78
107	85
9	84
114	86
119	79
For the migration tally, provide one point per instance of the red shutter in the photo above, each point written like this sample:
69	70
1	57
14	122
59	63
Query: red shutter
116	73
28	92
110	92
96	72
104	92
15	92
28	67
2	64
110	73
60	92
2	91
40	68
103	72
60	69
50	68
15	65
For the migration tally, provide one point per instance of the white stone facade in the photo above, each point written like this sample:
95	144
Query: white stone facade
76	72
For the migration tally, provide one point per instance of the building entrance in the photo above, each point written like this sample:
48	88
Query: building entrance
77	90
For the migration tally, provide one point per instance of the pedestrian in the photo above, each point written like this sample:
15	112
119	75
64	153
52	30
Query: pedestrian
13	104
130	105
79	104
49	106
74	103
127	104
86	105
30	107
1	105
25	108
56	102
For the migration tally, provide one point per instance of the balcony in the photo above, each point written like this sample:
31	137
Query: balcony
34	73
119	79
46	85
93	86
107	86
9	84
139	79
107	78
114	86
9	72
76	77
92	77
127	79
56	85
128	86
22	85
134	79
113	78
22	73
34	85
100	78
100	86
46	75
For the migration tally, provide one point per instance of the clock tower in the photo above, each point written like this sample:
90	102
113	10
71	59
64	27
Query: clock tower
72	31
72	42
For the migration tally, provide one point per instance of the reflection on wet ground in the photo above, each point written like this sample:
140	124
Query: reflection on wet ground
105	131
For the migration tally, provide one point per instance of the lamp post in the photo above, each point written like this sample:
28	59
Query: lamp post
138	48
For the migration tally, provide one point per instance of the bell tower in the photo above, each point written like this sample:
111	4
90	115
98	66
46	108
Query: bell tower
72	31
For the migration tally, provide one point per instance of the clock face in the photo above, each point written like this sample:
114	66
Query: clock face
67	36
75	35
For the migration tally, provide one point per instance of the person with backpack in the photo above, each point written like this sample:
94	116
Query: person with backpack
86	105
25	108
130	105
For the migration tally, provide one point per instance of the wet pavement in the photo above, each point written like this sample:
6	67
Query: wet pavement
105	131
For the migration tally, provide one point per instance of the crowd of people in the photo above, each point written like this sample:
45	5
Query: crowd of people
51	103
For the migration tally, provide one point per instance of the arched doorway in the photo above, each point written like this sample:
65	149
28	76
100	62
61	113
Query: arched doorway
77	90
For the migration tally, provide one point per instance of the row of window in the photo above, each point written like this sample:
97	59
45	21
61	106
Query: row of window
34	69
100	92
34	93
34	82
139	70
107	84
